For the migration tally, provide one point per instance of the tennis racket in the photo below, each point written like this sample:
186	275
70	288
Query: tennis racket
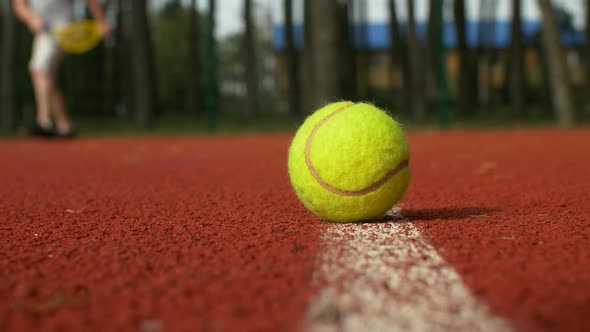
77	37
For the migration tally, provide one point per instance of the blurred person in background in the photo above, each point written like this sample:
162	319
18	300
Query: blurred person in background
46	56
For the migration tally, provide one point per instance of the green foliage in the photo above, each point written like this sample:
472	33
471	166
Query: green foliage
231	66
171	37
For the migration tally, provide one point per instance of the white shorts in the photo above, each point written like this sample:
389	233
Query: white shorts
46	54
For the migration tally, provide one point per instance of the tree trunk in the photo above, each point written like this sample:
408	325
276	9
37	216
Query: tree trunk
546	99
440	65
399	60
558	70
430	55
326	57
417	68
250	62
8	45
145	95
195	95
211	66
2	22
467	84
587	57
121	87
309	87
110	65
292	59
488	9
348	73
363	51
517	76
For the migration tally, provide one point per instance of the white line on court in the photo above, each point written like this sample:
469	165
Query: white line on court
386	277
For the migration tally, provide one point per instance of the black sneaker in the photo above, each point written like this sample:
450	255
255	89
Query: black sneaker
39	131
70	134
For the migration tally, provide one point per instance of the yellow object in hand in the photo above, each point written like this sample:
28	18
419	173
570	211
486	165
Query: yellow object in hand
78	37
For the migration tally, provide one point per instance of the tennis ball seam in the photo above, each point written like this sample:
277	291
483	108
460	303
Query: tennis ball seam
373	187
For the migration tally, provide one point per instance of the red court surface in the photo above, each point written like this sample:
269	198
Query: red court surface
205	233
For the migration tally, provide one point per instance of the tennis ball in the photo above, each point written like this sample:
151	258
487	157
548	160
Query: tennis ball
349	162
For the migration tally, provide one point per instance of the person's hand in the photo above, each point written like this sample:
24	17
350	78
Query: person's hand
104	28
36	25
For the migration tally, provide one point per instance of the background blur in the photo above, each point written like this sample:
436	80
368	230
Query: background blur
262	65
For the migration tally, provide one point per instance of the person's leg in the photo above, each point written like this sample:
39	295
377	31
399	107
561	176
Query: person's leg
41	87
44	66
45	54
59	110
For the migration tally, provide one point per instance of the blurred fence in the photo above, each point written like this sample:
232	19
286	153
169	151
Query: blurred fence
427	61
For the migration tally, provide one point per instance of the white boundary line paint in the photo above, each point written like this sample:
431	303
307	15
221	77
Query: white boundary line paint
386	277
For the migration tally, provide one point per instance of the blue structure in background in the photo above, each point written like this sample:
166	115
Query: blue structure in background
479	34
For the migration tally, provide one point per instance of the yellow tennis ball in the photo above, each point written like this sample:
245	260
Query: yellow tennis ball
349	162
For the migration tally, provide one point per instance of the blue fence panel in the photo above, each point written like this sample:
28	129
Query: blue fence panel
479	34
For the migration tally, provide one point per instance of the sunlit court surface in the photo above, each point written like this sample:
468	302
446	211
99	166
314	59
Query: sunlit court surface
158	196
